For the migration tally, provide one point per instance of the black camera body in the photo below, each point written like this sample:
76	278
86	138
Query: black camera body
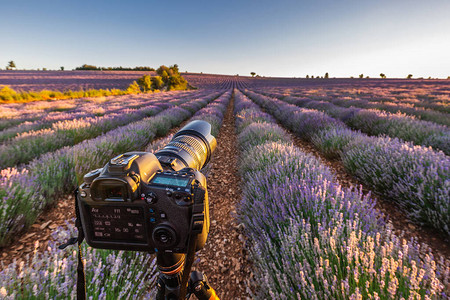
149	202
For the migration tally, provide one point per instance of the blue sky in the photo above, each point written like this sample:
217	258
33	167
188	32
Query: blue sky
271	38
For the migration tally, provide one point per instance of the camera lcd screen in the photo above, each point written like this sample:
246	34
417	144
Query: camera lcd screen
174	181
117	223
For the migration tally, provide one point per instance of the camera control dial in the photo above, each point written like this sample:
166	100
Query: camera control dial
150	198
164	236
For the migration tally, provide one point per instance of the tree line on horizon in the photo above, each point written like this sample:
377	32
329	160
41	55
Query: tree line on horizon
85	67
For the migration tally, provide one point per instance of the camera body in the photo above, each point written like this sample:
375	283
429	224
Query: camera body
142	202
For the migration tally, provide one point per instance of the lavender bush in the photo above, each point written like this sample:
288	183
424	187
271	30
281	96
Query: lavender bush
312	239
402	172
419	178
333	140
256	133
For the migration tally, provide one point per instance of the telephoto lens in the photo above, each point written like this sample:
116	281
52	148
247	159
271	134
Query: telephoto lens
192	145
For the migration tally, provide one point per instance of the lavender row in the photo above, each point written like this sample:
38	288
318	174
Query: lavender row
26	192
29	145
110	274
311	238
88	111
376	122
340	99
415	177
429	97
39	109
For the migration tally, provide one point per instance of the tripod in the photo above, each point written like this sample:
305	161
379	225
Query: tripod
172	281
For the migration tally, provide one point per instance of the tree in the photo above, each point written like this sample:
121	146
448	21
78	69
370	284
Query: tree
409	76
326	75
11	65
312	76
307	76
62	68
361	75
382	75
253	74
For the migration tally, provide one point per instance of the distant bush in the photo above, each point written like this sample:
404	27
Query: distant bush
169	79
134	88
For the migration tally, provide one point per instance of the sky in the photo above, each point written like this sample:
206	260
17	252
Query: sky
272	38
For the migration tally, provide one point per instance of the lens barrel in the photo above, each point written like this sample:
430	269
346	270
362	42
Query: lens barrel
192	145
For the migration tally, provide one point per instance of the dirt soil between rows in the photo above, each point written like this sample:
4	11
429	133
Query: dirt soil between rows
224	258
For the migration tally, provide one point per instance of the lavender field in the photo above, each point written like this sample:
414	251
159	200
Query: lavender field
307	235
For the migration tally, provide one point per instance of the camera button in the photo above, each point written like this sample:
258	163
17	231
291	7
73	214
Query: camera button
83	194
152	220
151	198
163	215
152	210
169	193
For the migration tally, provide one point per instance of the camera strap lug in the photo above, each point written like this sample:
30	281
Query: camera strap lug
71	241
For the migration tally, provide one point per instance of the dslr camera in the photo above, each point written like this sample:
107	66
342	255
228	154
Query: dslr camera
150	202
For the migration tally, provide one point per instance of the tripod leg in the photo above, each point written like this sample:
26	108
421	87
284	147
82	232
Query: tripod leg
198	284
161	287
